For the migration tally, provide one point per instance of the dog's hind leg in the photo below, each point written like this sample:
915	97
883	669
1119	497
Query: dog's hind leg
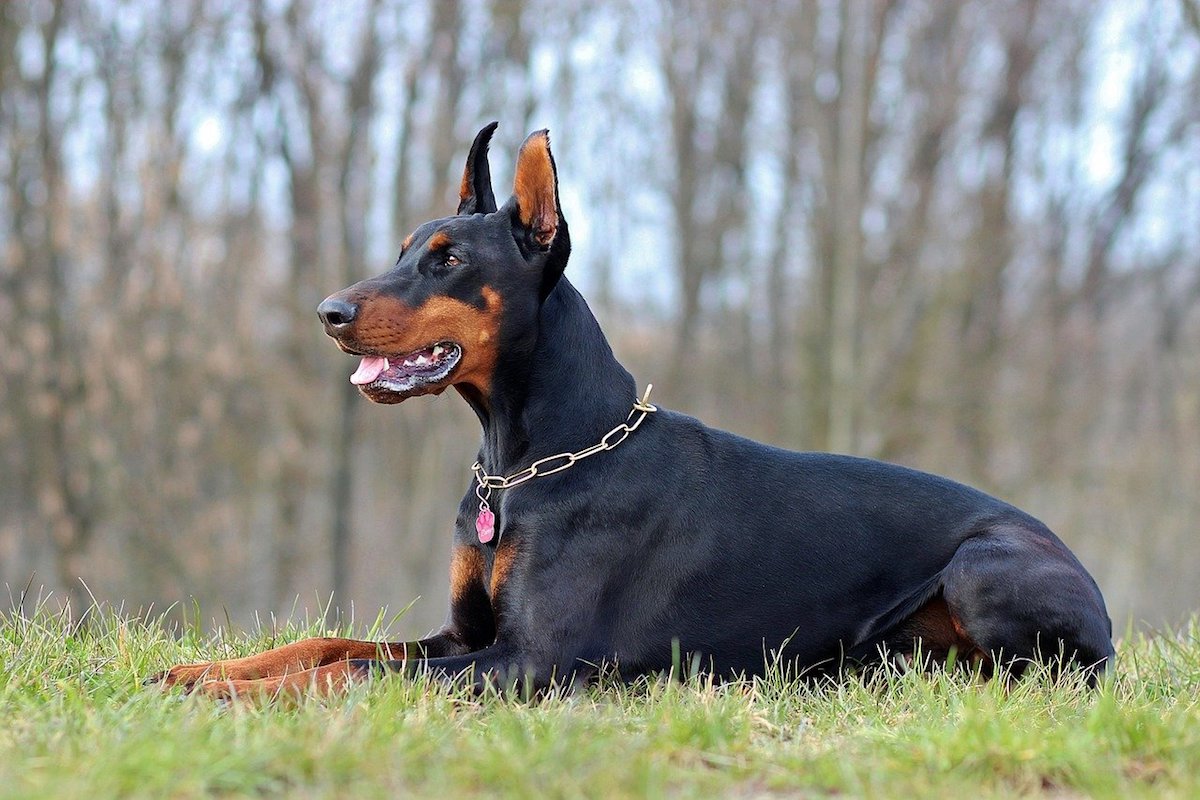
1021	596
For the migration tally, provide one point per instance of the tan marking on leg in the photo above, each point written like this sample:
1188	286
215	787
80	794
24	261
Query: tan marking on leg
466	571
502	566
288	659
939	631
322	681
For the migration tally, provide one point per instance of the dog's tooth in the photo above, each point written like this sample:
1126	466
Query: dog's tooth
386	365
438	350
422	360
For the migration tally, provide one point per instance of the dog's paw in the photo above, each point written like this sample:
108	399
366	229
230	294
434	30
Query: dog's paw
186	676
226	691
326	681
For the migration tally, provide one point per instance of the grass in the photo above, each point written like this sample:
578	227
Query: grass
75	721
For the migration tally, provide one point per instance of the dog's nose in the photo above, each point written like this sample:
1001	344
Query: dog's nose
336	314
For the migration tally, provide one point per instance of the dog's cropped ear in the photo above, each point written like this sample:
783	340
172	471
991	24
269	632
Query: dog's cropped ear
535	188
475	193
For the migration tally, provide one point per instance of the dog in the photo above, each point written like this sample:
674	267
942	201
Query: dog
600	530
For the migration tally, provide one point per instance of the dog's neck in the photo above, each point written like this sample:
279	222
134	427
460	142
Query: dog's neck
563	397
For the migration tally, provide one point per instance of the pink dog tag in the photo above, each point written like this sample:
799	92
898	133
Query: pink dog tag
485	525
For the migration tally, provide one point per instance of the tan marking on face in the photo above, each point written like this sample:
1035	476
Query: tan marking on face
407	242
506	557
466	571
388	326
439	241
534	187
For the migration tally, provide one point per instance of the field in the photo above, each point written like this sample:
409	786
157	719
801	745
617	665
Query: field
76	721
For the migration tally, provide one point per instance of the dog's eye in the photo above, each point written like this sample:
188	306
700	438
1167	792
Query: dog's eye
451	261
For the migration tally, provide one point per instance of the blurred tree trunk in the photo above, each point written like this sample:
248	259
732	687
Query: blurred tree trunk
980	327
354	198
510	29
289	74
65	484
847	189
16	288
839	100
709	150
433	76
894	370
1051	317
799	65
1144	141
1137	157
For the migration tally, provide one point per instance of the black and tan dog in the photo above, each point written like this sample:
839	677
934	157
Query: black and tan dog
642	534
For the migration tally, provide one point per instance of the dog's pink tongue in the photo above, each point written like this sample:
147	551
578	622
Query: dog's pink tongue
368	370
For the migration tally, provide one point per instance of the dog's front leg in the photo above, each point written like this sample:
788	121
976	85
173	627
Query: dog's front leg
296	659
501	666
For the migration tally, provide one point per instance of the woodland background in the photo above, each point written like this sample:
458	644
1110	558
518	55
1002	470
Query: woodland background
963	236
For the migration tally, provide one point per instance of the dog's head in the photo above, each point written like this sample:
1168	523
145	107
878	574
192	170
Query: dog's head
465	288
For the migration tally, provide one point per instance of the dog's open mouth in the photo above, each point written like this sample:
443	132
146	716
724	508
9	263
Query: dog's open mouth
407	373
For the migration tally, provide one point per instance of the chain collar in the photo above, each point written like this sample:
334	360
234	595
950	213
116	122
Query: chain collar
484	483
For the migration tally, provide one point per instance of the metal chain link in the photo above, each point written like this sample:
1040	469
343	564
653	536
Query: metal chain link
543	467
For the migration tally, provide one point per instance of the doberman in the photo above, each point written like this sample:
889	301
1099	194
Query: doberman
600	530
